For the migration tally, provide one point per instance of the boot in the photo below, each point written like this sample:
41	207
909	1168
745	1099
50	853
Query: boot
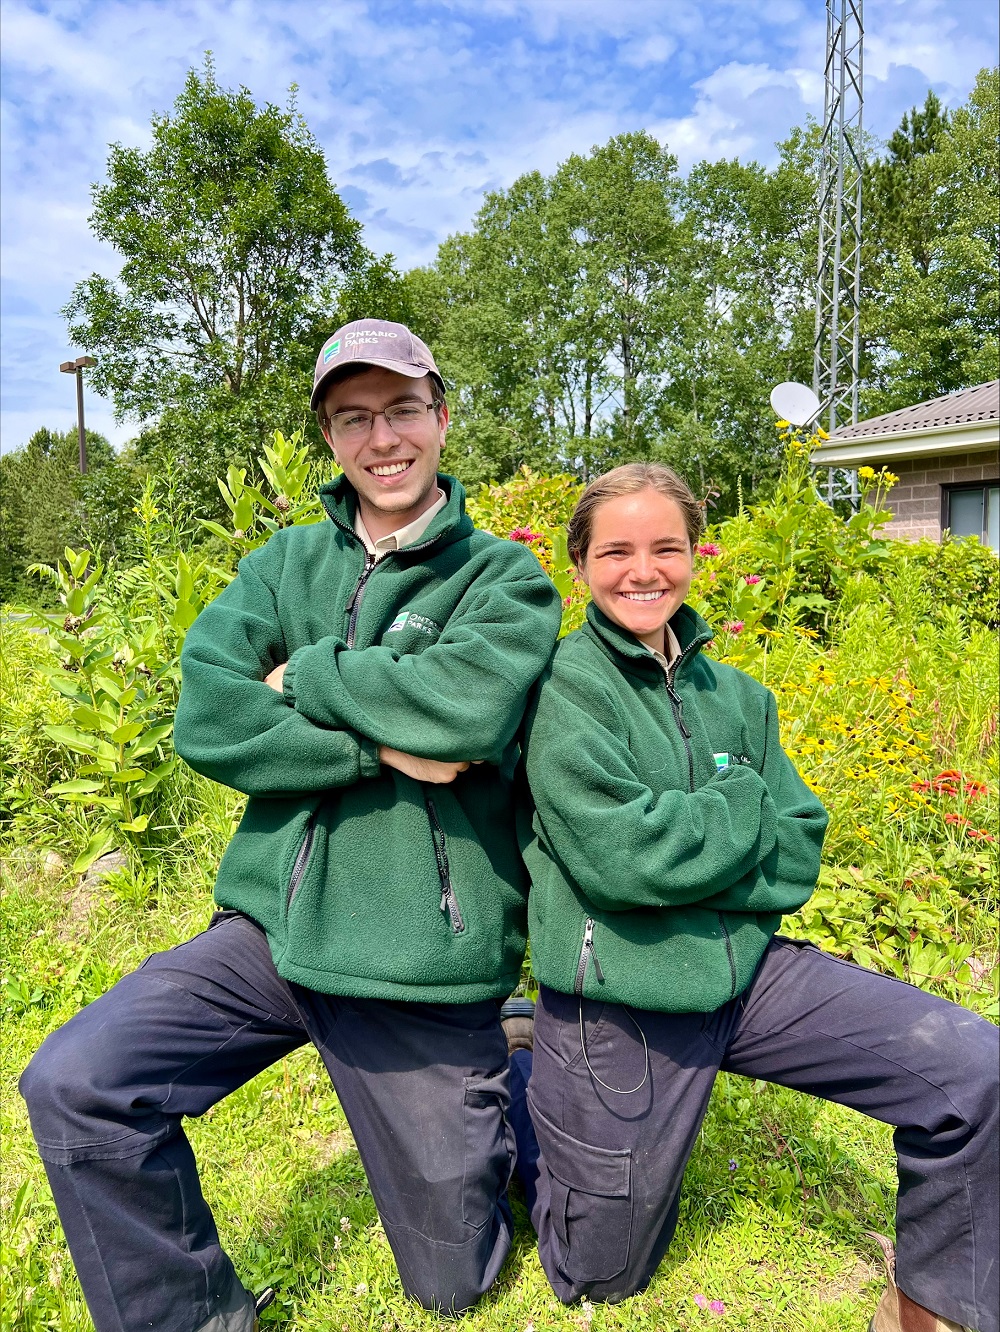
260	1304
517	1017
896	1312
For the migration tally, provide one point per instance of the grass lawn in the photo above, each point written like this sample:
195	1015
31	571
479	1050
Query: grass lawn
777	1196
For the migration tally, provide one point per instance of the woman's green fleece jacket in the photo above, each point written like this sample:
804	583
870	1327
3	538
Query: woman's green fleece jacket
670	832
367	882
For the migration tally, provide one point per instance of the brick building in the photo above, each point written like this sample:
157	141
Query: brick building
945	453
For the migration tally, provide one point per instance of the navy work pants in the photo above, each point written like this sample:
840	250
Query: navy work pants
603	1193
424	1088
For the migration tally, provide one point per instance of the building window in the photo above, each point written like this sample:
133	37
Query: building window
974	511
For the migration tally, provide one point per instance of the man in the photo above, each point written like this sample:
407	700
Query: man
361	680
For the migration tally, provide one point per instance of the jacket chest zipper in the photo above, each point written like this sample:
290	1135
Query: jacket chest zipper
353	607
588	953
449	901
677	705
301	861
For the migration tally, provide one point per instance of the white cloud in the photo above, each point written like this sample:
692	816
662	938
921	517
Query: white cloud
653	50
739	111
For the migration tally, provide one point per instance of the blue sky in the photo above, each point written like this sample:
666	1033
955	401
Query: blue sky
420	107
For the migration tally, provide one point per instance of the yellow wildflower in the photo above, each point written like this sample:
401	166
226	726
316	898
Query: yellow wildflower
866	473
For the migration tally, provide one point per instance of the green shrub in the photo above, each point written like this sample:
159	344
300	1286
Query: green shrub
958	571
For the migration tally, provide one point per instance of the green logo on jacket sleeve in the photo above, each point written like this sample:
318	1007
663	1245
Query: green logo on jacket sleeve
399	622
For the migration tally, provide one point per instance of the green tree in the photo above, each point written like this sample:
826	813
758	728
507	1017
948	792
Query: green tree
43	500
749	321
931	311
895	215
612	311
237	256
551	314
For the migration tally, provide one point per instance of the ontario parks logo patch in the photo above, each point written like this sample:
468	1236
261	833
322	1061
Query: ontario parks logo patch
331	351
411	620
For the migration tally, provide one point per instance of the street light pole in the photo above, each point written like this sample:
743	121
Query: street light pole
77	367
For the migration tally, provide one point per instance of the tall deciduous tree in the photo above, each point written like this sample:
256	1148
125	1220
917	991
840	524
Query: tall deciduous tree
931	310
749	322
237	253
552	313
611	312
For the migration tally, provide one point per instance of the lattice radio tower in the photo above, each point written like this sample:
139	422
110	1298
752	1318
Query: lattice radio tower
838	275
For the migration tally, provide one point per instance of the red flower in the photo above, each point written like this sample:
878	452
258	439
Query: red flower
956	818
709	548
951	782
524	534
751	579
733	627
979	835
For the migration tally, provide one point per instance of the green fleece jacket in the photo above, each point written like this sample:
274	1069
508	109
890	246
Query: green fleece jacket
670	830
367	882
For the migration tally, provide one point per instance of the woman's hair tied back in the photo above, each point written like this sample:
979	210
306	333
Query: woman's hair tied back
630	479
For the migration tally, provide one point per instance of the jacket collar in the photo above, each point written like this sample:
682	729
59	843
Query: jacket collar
452	523
691	630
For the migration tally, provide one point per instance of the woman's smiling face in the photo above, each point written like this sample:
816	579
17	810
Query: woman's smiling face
639	563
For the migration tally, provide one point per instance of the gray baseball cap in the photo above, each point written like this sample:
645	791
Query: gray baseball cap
372	342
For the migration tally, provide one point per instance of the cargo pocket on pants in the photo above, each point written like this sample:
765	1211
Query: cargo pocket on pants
591	1203
490	1151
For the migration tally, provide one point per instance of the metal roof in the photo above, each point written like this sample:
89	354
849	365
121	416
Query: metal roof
963	407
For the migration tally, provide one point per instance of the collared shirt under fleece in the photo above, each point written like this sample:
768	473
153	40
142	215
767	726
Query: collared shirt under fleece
367	882
670	831
403	536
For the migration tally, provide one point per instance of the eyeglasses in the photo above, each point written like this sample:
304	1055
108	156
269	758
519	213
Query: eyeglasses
356	425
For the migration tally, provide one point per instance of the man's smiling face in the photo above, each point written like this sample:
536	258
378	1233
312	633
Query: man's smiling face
393	468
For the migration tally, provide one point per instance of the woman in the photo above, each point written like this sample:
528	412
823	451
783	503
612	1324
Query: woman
671	834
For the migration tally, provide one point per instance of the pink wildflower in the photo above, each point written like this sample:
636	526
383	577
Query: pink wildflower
567	602
752	579
733	626
525	534
717	1307
709	548
701	1301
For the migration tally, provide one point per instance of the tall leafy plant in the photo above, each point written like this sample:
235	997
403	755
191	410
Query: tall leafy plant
118	639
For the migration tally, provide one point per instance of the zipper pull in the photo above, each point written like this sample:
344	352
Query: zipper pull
444	899
370	562
588	943
678	703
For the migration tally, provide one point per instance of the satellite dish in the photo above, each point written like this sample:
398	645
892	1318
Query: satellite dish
795	403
